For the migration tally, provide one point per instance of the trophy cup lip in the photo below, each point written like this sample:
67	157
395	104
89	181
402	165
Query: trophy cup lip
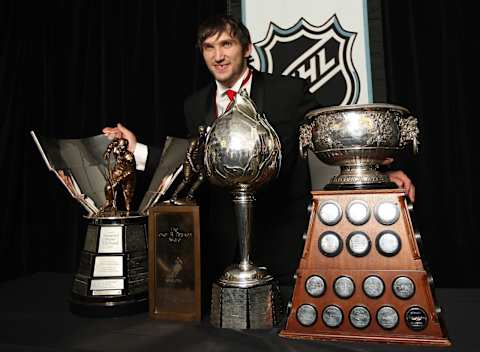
372	106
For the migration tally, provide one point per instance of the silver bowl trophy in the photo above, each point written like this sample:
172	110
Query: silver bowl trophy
242	153
112	275
358	138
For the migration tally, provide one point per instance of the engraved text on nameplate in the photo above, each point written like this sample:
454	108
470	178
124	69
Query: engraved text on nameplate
110	239
108	266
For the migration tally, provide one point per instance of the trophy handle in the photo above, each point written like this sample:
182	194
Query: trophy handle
305	140
409	132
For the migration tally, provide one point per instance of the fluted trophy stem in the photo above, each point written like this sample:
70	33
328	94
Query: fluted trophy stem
243	204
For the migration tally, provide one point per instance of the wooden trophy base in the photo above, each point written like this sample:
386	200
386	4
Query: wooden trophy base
361	276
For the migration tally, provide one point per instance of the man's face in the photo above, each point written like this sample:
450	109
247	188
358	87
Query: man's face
225	57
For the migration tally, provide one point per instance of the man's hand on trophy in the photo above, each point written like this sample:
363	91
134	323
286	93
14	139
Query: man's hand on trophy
402	181
121	132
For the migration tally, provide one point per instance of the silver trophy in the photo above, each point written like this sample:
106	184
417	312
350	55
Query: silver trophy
358	138
112	275
242	153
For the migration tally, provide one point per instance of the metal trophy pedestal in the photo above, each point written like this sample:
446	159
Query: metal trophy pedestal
112	276
246	296
361	276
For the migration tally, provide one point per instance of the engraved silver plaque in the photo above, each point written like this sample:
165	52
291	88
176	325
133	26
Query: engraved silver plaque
108	266
330	244
344	287
359	317
330	213
107	284
106	293
403	287
373	286
332	316
388	243
358	212
358	244
110	239
306	315
387	317
387	213
315	286
416	318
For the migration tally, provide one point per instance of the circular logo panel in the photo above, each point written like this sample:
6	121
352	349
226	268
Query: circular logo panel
330	213
330	244
332	316
358	212
306	314
315	286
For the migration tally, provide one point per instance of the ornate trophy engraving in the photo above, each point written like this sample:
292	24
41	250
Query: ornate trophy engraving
242	153
358	138
112	275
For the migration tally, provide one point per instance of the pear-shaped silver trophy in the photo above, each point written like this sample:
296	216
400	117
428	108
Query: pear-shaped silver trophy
242	153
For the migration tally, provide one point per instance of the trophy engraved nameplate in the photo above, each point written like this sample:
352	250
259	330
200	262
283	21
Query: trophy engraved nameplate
361	241
242	153
112	274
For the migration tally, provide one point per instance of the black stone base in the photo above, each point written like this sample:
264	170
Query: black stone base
337	187
107	307
258	307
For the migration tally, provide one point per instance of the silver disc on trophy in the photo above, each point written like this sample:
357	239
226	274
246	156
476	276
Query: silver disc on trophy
330	244
344	287
358	244
358	212
306	315
403	287
315	286
416	318
388	243
332	316
330	213
387	317
373	286
387	213
359	317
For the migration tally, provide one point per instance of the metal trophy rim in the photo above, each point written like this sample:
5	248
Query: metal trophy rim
345	108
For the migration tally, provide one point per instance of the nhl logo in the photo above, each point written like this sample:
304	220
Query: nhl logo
321	55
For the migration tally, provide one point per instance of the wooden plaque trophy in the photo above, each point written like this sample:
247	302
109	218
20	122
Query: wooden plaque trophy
361	276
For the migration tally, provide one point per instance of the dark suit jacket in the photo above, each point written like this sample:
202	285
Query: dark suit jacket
280	212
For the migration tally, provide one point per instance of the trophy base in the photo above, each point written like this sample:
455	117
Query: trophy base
258	307
113	307
112	275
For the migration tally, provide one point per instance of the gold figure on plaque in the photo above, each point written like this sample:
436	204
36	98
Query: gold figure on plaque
193	169
122	174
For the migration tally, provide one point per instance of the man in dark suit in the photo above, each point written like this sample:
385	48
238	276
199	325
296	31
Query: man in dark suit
280	215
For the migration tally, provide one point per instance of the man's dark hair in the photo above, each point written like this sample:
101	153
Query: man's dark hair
217	24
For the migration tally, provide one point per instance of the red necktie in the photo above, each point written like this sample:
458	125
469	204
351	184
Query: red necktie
231	94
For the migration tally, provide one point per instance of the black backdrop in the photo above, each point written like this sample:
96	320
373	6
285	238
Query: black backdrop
69	68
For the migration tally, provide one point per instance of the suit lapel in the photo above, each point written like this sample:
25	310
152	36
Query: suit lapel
258	90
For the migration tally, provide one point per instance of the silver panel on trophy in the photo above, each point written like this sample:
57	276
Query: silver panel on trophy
110	240
359	317
306	315
107	284
315	286
403	287
358	212
330	213
344	287
332	316
387	317
358	244
388	243
373	286
108	266
416	318
387	213
330	244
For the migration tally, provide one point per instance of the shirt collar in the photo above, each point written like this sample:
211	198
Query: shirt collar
221	89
